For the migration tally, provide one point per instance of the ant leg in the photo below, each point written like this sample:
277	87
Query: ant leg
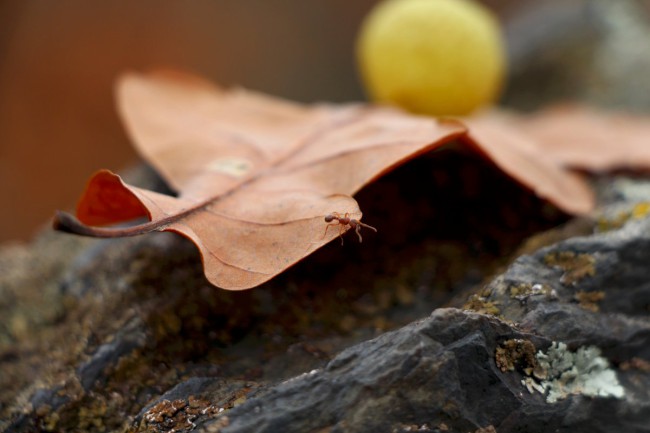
357	228
358	231
340	230
327	228
367	226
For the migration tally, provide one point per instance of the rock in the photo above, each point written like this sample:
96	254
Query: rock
442	370
139	341
193	399
435	372
586	50
442	373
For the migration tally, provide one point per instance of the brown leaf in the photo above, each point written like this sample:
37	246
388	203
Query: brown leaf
593	140
522	156
256	175
580	137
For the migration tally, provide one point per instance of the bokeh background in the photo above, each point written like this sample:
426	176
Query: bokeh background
58	61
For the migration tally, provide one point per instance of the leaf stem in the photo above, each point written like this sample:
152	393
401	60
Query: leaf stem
65	222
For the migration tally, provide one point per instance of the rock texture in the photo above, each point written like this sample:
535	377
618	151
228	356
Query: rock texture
442	373
587	50
127	335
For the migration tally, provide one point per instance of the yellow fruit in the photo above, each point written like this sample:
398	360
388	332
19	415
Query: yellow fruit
436	57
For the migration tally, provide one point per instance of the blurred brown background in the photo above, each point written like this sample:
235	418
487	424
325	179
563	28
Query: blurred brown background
58	61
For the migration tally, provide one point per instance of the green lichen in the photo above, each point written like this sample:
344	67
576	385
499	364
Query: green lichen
639	211
481	304
563	373
516	354
575	266
589	300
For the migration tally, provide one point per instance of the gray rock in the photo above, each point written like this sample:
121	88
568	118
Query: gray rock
587	50
557	341
436	371
441	372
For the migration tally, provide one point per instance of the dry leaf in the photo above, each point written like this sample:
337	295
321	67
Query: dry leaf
579	137
520	156
588	139
256	175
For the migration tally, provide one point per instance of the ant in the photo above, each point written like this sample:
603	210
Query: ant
345	221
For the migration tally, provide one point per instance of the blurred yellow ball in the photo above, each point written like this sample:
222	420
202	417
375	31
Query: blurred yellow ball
436	57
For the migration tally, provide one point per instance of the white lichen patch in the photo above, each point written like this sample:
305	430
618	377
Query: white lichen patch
532	385
562	372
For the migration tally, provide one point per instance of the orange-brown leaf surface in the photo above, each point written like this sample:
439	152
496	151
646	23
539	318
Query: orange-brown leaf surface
256	175
589	139
579	137
521	156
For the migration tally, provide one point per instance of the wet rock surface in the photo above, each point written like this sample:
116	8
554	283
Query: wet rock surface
439	335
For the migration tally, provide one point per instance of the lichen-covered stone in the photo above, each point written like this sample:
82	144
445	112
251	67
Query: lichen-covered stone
563	372
136	340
